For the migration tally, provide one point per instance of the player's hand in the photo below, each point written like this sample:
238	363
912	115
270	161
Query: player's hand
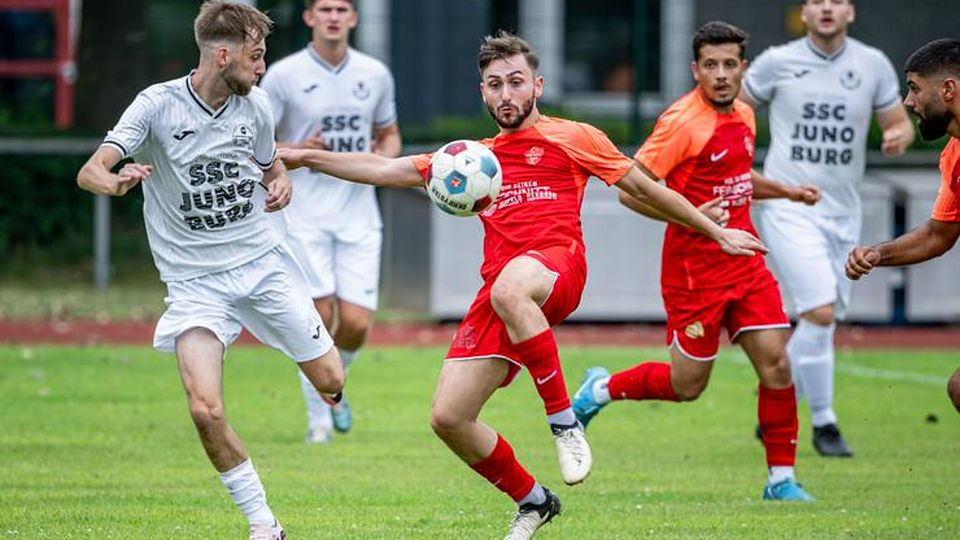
278	193
129	176
861	261
738	242
314	143
807	194
895	141
716	211
292	158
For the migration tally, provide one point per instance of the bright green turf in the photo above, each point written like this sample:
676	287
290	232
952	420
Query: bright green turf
97	443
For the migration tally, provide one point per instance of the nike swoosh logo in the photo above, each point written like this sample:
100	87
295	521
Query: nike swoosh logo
547	378
719	155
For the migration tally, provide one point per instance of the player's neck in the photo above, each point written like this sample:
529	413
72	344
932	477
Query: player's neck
954	128
210	88
828	45
332	52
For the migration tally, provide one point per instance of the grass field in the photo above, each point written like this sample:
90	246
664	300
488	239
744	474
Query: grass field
97	443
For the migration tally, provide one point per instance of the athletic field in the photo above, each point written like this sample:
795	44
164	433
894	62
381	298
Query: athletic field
96	442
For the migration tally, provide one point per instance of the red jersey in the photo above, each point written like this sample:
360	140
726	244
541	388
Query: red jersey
947	206
545	169
704	154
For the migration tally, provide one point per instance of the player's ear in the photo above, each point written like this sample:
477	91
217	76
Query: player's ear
538	85
853	13
308	18
222	56
693	69
949	89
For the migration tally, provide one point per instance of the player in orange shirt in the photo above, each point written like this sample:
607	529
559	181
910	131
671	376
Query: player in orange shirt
703	147
933	95
534	268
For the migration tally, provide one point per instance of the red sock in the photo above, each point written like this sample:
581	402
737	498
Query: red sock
539	355
649	380
777	413
502	469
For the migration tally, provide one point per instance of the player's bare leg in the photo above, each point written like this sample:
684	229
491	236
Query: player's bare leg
350	333
462	390
520	289
812	355
319	417
200	361
776	411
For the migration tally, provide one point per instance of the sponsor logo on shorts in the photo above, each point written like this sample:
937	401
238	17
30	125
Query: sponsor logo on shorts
694	330
465	338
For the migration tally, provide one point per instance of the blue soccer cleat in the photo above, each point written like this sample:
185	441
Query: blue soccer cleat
584	405
786	490
340	412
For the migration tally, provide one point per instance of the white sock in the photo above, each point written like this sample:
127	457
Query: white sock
318	412
348	357
779	474
536	495
562	418
811	350
243	484
601	391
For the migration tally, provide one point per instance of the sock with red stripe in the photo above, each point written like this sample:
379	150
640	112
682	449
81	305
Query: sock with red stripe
502	469
649	380
777	413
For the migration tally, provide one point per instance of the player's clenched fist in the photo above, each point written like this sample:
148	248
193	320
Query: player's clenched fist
861	261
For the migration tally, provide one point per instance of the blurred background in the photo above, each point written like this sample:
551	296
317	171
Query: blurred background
68	68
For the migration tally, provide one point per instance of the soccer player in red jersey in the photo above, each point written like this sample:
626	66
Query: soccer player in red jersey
533	271
933	95
703	146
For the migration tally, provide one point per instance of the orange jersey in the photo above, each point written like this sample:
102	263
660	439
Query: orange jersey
947	206
545	170
704	154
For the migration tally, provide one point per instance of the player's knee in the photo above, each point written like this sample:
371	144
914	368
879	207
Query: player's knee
444	423
821	316
775	373
353	332
504	296
325	374
689	391
207	414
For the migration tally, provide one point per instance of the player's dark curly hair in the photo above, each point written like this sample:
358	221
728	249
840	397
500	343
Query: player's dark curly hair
504	45
719	33
220	21
941	56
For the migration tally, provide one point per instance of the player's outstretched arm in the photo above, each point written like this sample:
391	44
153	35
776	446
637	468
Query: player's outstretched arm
95	175
764	188
679	210
362	168
713	209
921	244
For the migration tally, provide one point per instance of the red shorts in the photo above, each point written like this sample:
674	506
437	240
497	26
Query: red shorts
482	334
695	317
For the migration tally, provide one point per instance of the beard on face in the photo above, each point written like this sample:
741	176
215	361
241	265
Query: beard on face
522	113
934	122
234	83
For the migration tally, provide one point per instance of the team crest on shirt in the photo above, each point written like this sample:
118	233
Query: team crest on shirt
360	90
243	136
749	146
850	79
694	330
534	154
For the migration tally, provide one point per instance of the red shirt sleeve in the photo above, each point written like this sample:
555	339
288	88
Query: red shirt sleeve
947	205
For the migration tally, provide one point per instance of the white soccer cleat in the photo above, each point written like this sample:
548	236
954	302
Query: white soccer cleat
318	436
531	517
267	532
573	452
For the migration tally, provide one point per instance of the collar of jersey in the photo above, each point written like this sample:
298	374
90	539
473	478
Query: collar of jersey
829	57
201	103
327	65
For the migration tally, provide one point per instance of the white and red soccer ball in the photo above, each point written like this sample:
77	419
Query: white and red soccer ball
464	178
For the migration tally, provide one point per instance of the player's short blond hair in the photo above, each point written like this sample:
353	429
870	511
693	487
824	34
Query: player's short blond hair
222	21
504	45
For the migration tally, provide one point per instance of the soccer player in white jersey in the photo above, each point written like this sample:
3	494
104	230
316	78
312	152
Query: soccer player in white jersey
822	91
205	149
333	97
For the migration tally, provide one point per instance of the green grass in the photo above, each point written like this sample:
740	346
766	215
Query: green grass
96	443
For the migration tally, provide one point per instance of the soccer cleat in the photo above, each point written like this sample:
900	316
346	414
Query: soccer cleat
342	418
829	442
531	517
584	405
573	452
318	436
267	532
786	490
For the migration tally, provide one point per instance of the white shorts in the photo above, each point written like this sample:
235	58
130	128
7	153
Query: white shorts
344	263
267	296
808	252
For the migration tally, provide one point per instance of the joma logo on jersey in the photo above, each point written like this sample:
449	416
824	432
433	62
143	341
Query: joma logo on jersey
183	134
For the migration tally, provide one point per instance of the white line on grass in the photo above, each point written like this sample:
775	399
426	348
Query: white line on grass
866	372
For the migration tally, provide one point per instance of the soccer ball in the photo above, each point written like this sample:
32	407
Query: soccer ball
464	178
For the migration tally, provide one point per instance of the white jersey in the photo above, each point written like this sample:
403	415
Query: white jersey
342	104
204	202
820	112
